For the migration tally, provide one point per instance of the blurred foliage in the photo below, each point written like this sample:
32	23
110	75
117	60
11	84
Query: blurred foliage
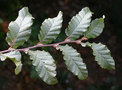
9	6
1	21
1	33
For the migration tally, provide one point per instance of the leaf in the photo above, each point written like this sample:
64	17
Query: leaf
45	66
79	24
20	29
95	28
102	55
15	56
50	29
74	62
1	21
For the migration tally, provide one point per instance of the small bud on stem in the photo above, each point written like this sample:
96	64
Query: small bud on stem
78	42
55	45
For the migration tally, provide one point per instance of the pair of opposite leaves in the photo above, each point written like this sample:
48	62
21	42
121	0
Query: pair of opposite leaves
81	24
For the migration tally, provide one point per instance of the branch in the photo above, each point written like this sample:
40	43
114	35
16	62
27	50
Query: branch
48	45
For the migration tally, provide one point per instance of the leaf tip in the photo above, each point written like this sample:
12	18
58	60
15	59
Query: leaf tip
18	69
103	16
60	14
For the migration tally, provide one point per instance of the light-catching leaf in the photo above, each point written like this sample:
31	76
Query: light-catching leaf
15	56
20	29
74	62
45	66
79	24
95	28
50	29
102	55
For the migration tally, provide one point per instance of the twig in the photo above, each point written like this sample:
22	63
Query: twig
41	45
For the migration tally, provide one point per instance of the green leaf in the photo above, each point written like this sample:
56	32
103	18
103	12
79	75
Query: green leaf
20	29
50	29
79	24
102	55
74	62
45	66
95	28
1	21
15	56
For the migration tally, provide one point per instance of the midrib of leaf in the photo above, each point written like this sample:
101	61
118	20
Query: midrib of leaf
76	27
18	32
91	30
75	63
41	62
48	31
101	56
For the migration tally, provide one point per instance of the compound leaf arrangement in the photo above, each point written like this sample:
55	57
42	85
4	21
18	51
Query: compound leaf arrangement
80	28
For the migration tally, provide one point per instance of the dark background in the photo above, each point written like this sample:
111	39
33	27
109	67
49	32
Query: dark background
99	79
